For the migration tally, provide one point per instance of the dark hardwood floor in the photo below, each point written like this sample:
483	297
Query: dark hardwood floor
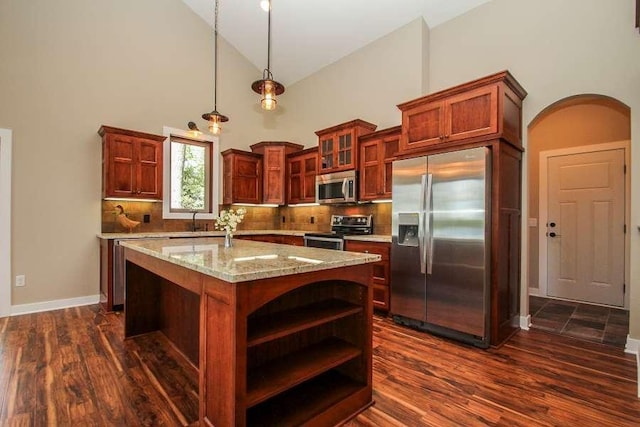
71	367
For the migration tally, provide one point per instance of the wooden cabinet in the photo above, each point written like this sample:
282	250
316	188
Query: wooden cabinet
378	150
506	202
301	176
305	353
482	113
381	270
242	177
482	109
337	145
293	240
280	351
131	163
274	161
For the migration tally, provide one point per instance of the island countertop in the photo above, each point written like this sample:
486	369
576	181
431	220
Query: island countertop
245	260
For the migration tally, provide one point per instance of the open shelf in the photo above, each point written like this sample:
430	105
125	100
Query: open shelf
305	401
264	382
268	328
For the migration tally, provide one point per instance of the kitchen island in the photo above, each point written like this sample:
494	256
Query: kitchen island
280	334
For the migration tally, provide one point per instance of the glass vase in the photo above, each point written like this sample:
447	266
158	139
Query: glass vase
228	240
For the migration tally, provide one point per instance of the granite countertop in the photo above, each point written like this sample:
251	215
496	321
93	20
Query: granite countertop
178	234
381	238
246	260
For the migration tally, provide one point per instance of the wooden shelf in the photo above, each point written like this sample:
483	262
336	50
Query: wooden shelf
267	328
304	402
264	382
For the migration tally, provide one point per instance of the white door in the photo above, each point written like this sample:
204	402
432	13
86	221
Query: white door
586	226
5	222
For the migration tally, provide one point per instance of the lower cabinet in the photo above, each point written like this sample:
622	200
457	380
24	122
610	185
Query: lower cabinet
307	356
381	282
274	238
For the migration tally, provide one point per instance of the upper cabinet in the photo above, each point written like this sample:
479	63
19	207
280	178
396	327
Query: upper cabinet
378	150
242	177
485	108
337	145
274	162
131	163
301	176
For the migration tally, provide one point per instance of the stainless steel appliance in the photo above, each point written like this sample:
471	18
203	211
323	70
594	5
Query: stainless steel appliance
337	187
118	275
440	238
341	225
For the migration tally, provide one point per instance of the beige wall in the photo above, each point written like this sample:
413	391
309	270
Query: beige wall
70	66
366	84
556	49
572	123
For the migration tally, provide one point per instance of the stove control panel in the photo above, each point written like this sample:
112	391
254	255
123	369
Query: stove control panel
352	224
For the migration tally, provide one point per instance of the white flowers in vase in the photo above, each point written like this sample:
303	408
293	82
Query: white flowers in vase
228	220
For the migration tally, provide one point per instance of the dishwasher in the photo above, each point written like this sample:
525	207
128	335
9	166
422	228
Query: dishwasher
118	275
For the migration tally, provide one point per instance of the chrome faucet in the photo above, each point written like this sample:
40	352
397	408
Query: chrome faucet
193	225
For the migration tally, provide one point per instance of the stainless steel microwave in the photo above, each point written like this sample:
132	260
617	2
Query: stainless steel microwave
340	187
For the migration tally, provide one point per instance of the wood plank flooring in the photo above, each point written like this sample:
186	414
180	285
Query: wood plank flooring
72	367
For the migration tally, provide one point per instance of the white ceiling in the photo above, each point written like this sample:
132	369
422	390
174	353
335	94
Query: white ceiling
307	35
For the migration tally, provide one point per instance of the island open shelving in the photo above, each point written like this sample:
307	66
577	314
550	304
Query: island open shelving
284	333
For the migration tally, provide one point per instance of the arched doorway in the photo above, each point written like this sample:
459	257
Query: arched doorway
573	212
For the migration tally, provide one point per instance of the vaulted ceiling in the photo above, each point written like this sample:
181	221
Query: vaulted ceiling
307	35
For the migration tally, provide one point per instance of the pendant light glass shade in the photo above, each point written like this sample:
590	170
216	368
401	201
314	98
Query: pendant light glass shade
267	87
214	118
268	90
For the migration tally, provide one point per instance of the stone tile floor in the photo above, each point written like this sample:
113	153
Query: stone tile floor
578	320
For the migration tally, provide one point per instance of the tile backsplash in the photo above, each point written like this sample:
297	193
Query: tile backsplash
306	218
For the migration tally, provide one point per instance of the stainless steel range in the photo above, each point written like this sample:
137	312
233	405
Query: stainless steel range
341	225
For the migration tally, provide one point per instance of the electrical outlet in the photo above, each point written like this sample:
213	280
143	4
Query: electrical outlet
146	218
20	280
312	220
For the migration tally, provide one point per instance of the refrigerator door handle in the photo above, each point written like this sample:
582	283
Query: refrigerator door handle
421	224
428	237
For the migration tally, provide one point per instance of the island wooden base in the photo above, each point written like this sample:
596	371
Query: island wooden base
289	350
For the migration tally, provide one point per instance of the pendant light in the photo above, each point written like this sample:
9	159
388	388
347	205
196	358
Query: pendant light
267	87
214	118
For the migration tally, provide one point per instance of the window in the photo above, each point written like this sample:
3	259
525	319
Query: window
190	175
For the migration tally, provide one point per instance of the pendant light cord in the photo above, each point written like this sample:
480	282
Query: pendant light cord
267	73
215	63
268	38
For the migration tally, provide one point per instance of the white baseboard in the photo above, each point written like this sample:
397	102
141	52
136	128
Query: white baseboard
525	322
53	305
633	347
534	292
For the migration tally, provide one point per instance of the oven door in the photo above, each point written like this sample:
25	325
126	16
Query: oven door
336	243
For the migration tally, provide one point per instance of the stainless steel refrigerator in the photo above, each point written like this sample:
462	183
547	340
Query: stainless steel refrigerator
440	240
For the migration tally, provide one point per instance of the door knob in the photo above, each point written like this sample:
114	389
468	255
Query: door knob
552	234
552	224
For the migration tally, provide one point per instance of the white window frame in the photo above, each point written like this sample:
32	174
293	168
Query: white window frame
166	177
